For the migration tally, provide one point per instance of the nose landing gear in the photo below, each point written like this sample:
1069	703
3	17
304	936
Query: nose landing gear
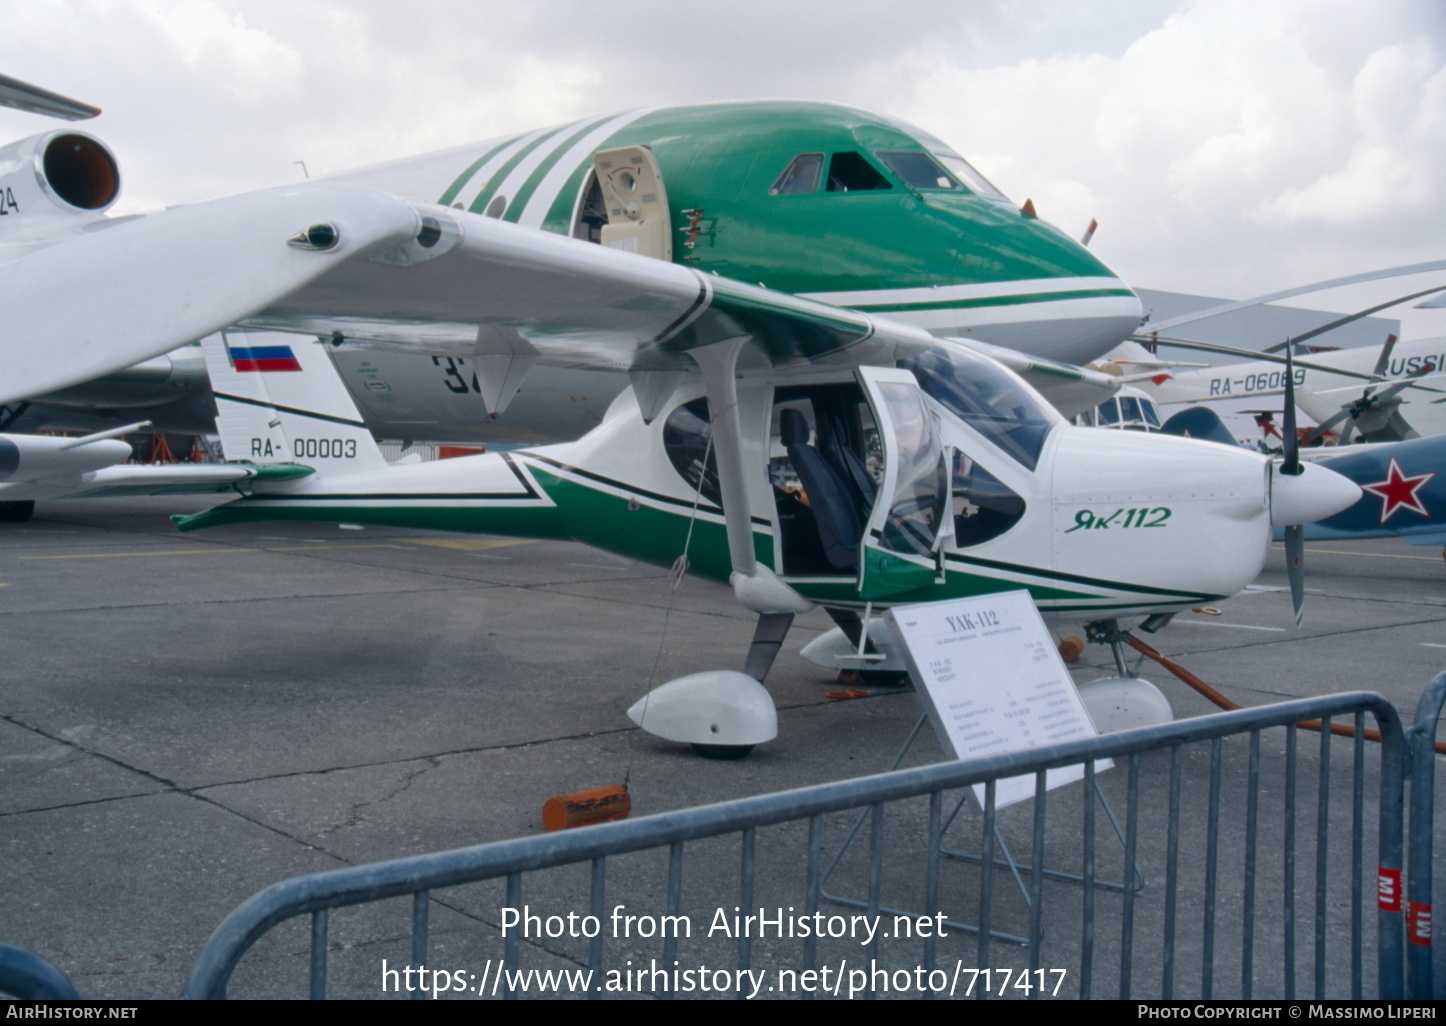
1127	700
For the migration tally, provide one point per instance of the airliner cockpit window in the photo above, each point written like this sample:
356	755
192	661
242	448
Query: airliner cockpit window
987	398
800	176
850	172
964	171
919	170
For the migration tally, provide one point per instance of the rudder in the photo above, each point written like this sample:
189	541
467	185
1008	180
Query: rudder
279	400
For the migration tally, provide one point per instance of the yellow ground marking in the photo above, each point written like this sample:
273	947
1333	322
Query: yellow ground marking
470	544
1369	555
321	548
166	552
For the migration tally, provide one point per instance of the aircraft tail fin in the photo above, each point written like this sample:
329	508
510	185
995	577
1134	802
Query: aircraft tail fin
1199	422
279	399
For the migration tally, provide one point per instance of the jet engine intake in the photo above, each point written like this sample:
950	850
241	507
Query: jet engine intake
62	172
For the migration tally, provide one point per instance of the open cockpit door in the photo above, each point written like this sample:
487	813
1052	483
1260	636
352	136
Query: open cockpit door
636	202
909	520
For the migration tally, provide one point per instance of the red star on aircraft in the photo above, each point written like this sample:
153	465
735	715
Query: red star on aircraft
1398	491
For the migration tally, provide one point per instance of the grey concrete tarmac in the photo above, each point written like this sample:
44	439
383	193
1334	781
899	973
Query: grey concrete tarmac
185	719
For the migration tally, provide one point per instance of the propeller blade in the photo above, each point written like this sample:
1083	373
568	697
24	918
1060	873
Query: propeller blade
1351	317
1372	396
1385	357
1248	354
1295	569
1290	439
1328	425
1319	286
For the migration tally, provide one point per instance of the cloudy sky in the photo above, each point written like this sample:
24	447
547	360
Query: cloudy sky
1227	147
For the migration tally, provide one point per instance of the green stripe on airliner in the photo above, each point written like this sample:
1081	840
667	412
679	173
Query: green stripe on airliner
472	168
489	189
518	203
1015	300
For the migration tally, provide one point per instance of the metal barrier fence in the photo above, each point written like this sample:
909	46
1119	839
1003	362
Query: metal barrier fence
1422	741
1184	854
29	977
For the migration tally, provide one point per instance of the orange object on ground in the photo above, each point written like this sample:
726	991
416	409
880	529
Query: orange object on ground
583	808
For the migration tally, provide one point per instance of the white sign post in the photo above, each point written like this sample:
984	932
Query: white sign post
992	681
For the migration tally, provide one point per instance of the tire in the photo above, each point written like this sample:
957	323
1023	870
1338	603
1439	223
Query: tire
728	752
17	512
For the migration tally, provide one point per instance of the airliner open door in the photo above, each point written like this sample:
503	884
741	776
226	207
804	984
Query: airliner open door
900	550
637	204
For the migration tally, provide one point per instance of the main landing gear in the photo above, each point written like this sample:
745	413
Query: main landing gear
1126	700
721	713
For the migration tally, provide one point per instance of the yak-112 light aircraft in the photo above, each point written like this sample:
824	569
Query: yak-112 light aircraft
929	474
830	323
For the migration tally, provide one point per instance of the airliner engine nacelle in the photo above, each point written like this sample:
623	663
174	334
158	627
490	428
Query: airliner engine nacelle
62	173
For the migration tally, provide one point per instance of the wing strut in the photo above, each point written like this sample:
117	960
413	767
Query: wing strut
724	713
755	586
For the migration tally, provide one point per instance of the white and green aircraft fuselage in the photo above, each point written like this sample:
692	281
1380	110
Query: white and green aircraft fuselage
944	476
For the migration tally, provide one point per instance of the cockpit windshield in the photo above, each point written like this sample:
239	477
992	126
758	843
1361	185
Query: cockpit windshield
919	170
964	171
987	398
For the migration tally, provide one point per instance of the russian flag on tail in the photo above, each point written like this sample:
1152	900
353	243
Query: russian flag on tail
264	358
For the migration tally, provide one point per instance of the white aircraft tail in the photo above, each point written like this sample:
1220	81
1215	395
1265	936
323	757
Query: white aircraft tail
279	399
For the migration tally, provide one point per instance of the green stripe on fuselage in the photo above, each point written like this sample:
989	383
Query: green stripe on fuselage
640	530
489	189
472	168
518	203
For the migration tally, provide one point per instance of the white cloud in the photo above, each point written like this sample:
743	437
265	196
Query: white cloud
1237	148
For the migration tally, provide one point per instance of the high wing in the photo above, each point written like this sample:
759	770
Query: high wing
356	263
361	265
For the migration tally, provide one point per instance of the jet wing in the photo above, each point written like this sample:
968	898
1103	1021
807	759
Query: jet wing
366	266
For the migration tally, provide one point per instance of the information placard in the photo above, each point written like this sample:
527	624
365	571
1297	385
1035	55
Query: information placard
992	682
